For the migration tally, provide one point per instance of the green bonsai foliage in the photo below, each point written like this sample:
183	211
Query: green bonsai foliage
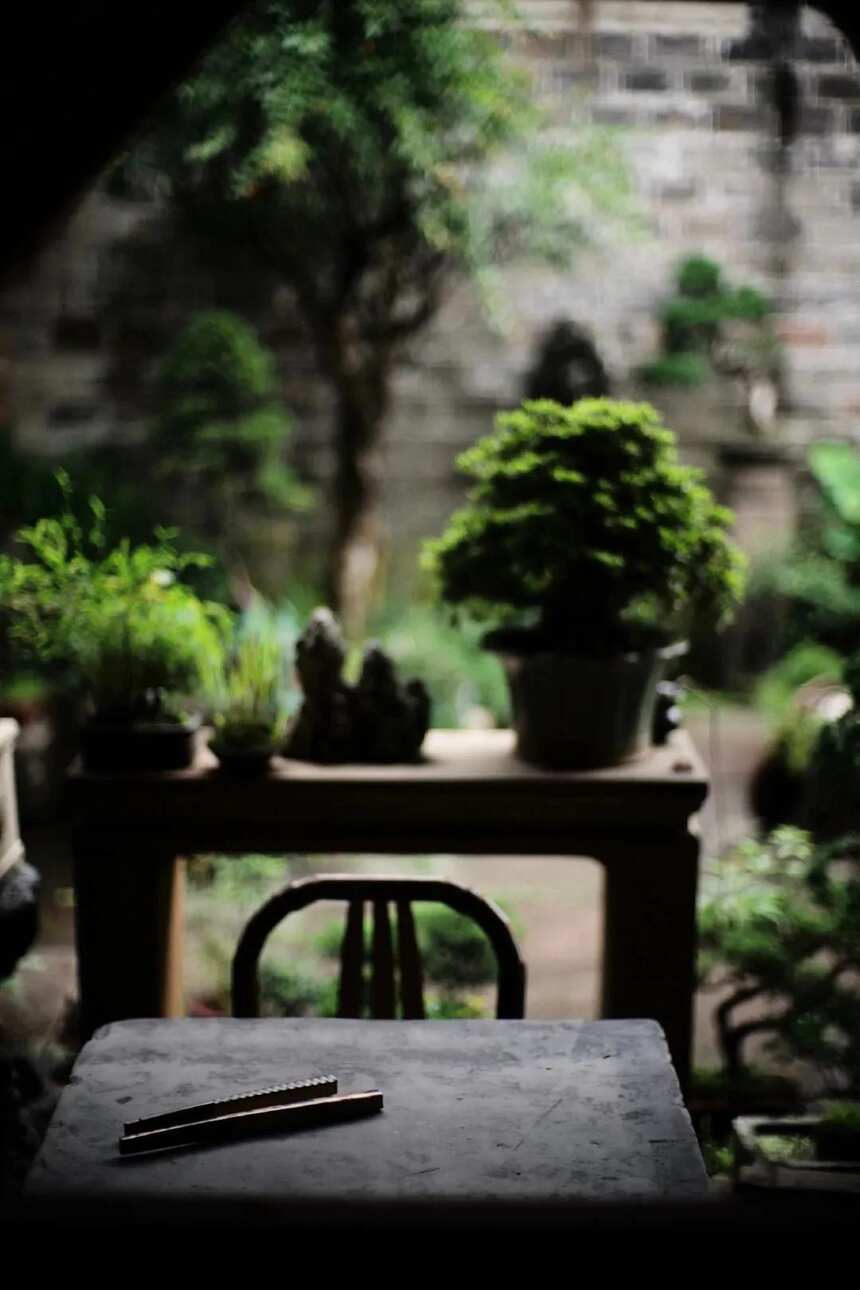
583	525
219	417
688	369
250	712
779	931
130	631
708	325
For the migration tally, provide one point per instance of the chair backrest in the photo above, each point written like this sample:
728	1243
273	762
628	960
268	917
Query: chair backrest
380	893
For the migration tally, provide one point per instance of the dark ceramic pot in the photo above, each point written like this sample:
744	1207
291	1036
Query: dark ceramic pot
139	745
576	713
243	763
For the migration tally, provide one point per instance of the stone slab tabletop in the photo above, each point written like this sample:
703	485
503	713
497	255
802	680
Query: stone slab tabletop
475	1111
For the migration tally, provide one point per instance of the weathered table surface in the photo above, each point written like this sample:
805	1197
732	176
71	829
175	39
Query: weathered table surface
475	1111
470	795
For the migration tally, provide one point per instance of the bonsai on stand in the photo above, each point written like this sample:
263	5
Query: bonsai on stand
125	629
588	548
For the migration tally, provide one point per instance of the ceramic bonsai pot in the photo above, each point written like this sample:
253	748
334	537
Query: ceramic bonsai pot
139	745
572	712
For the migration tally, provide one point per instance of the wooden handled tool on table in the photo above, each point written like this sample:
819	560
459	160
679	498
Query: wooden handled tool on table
299	1105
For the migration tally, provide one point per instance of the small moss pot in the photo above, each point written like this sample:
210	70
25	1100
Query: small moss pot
242	762
576	713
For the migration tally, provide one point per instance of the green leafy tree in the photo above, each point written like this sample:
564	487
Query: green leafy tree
346	147
583	526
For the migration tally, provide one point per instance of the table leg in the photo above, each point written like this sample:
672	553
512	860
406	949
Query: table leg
649	938
128	922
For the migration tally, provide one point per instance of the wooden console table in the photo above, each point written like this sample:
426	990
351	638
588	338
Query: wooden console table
470	796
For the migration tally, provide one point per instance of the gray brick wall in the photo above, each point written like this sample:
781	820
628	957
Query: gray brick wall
694	123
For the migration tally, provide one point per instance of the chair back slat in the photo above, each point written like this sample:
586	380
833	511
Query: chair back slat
350	1001
382	981
411	976
380	892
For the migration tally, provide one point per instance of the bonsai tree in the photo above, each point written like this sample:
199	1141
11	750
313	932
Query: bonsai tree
219	422
708	325
584	528
779	932
120	619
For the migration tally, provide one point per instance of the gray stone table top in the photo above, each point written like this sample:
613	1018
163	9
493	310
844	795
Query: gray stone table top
475	1111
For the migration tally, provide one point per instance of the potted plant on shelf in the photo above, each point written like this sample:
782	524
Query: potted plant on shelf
589	548
250	723
135	638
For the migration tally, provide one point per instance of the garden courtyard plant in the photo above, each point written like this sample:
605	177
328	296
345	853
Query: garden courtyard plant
135	638
586	538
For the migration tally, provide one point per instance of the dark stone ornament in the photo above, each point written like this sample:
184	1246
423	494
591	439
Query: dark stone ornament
567	366
324	728
391	719
379	720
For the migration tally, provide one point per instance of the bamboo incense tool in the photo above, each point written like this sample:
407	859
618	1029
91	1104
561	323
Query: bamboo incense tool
248	1122
300	1090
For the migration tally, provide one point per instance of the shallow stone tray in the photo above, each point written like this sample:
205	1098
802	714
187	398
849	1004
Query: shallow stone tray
749	1129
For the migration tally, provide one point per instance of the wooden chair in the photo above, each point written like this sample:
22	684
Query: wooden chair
380	892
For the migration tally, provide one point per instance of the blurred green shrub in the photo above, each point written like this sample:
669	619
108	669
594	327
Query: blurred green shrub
808	661
219	420
779	937
817	579
288	992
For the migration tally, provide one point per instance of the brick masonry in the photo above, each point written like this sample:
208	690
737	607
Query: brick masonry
680	90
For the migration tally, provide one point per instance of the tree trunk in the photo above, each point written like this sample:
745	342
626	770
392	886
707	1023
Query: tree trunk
358	532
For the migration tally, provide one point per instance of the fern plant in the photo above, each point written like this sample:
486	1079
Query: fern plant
120	619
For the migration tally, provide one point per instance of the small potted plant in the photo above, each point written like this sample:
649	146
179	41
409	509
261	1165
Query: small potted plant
134	637
250	723
589	548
